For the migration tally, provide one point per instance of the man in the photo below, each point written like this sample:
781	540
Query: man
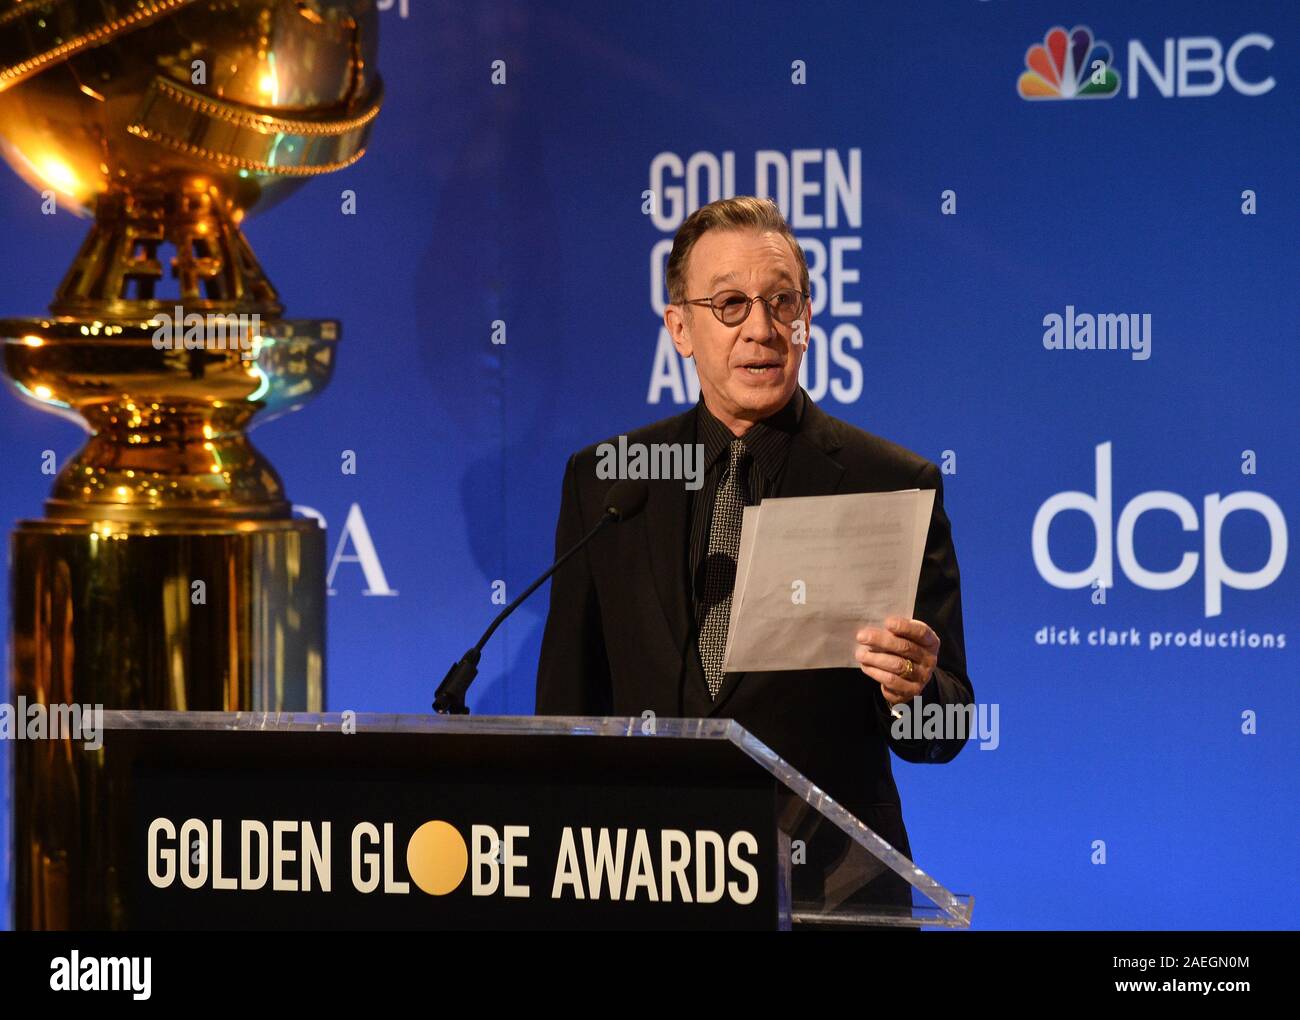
638	620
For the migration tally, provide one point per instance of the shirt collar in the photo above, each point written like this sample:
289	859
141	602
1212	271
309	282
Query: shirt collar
767	440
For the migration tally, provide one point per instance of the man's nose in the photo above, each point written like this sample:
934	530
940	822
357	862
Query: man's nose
760	324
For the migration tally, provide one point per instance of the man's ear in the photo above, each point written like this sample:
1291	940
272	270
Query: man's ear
679	330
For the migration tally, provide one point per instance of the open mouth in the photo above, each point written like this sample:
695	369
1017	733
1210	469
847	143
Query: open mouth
762	368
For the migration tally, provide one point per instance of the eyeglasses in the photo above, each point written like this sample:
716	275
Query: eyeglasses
731	307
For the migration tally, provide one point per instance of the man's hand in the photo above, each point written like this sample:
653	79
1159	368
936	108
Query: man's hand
900	658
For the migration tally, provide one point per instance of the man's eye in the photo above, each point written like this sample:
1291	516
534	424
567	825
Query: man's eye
783	297
731	299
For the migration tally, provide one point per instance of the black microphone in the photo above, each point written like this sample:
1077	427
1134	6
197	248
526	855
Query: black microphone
624	501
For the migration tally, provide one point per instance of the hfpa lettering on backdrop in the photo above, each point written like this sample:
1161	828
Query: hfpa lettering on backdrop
354	536
820	193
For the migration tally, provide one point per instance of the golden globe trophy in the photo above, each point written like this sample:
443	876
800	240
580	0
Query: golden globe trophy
168	572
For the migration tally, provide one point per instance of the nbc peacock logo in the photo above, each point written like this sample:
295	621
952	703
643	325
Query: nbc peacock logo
1068	65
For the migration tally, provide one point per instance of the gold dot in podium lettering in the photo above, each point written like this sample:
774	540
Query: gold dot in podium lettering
437	858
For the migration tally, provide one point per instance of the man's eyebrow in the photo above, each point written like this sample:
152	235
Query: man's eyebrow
724	277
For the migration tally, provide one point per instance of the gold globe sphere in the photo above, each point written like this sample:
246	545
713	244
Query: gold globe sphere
252	96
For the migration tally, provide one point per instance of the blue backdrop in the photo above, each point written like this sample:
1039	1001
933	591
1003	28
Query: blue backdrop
947	219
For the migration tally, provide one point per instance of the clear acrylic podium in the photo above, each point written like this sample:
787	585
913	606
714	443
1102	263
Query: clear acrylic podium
137	838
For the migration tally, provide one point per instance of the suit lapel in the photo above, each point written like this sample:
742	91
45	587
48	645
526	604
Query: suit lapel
665	528
810	470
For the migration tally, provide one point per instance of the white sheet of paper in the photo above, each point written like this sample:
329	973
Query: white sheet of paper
852	559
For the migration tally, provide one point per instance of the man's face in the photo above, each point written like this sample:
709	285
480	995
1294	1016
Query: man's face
747	372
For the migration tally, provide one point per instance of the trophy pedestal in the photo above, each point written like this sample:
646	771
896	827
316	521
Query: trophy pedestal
178	616
106	614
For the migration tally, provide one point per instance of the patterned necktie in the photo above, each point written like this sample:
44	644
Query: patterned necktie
720	566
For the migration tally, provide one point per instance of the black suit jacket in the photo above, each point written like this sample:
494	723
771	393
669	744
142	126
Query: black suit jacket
620	639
